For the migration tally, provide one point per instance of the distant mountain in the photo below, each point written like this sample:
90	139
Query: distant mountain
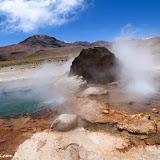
94	44
44	46
101	44
82	43
39	47
44	41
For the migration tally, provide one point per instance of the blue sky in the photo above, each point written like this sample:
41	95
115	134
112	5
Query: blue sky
81	20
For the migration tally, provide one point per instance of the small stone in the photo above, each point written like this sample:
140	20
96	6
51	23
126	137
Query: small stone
23	130
2	140
131	102
65	122
143	137
154	110
114	83
105	112
148	104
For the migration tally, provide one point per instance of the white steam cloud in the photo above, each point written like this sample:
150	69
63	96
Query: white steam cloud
137	63
28	15
50	83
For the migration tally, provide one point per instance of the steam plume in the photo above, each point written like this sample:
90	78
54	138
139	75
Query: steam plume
137	63
50	84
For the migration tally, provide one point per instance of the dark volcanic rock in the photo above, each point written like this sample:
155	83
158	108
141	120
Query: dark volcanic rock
96	65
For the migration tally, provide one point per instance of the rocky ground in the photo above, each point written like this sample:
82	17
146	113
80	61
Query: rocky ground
16	129
109	125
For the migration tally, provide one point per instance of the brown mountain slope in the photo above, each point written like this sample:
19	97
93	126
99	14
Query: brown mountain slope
42	47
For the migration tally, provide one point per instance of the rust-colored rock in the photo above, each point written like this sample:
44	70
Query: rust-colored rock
139	123
93	112
96	65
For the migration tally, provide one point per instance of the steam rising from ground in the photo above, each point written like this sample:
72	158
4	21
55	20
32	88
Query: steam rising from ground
50	84
53	83
137	64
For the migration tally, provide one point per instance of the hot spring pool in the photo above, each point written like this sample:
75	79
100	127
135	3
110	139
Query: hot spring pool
21	102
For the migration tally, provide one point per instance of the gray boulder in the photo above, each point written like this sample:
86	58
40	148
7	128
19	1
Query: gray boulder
65	122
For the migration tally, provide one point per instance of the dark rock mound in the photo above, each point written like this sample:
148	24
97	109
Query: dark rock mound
96	65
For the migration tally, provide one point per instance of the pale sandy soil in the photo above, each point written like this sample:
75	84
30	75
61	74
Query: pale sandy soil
26	71
17	72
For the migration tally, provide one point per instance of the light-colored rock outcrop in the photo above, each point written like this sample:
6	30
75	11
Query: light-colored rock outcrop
81	144
94	91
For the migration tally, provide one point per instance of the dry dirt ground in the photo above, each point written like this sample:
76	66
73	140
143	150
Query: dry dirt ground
111	126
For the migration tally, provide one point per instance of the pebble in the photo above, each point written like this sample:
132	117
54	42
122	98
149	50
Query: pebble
154	110
143	137
105	111
2	140
131	102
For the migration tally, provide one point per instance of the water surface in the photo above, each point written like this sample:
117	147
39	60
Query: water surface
20	102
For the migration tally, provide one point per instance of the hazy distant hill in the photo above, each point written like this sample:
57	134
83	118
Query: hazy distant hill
42	47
